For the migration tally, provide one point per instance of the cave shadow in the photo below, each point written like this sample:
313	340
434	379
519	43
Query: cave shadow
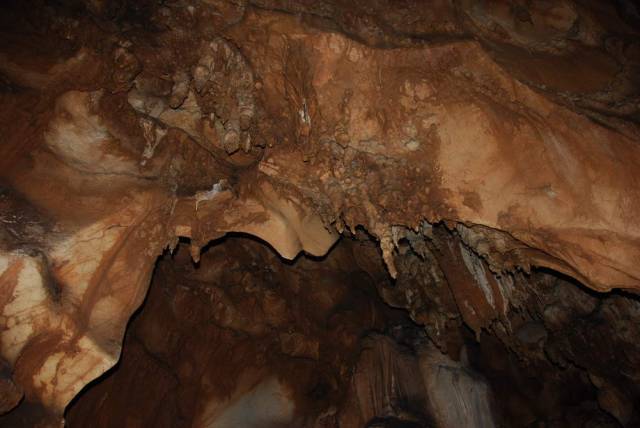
169	254
235	235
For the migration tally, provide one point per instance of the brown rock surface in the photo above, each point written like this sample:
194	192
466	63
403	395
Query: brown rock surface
490	149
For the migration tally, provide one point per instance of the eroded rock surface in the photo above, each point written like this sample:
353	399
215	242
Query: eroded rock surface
488	148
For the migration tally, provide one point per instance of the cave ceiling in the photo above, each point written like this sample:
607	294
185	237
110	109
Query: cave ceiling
492	139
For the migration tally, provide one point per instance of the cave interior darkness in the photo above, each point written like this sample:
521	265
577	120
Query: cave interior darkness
245	338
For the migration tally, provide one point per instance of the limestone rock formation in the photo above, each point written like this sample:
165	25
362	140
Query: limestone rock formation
363	213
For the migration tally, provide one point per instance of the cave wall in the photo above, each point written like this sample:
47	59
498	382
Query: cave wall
126	125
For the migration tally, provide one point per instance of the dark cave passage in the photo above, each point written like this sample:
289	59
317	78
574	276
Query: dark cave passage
245	338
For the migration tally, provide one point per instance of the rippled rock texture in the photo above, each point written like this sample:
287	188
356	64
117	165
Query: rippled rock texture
471	164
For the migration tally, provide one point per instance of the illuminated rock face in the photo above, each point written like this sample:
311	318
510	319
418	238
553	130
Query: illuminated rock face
490	149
